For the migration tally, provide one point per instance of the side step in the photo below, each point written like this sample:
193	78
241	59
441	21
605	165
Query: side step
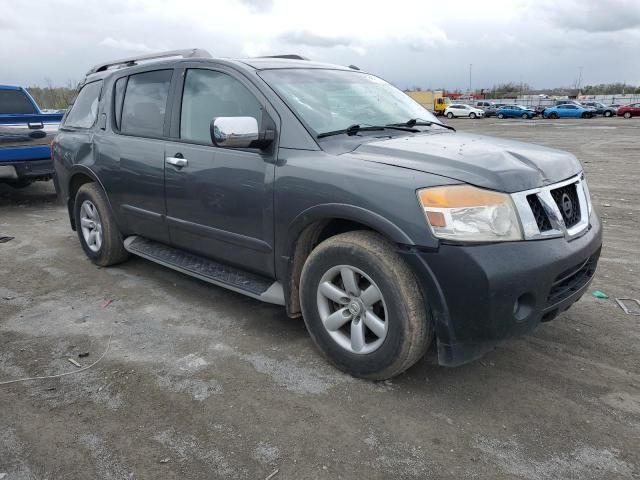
241	281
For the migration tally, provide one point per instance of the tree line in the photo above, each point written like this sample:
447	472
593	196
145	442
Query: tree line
53	97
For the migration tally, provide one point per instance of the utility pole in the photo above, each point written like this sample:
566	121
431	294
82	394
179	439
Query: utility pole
470	67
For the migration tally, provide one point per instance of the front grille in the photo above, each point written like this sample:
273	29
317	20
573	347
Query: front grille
542	220
566	199
572	280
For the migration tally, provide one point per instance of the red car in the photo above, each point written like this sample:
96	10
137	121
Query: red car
628	111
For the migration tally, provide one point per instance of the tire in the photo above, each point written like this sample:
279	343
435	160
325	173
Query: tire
525	116
607	113
449	115
627	114
501	115
407	328
553	115
472	115
110	249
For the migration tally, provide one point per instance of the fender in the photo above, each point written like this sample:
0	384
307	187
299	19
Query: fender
331	211
83	169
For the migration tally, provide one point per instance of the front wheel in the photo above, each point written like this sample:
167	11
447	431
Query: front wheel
449	115
472	115
96	227
501	115
607	113
525	116
553	115
627	114
362	306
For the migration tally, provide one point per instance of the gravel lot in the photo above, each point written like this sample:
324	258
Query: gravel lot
203	383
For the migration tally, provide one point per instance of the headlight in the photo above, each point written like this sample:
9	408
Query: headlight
469	214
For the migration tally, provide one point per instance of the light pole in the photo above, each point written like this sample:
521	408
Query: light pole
470	67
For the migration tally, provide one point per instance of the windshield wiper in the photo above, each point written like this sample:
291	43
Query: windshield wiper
416	122
355	128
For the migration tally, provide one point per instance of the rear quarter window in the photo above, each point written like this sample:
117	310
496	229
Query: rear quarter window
84	111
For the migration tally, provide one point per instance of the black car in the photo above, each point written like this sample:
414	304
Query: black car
326	190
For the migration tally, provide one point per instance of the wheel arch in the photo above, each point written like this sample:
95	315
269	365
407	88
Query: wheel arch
318	223
80	175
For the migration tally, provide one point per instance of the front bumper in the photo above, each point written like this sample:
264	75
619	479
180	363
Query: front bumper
479	295
28	169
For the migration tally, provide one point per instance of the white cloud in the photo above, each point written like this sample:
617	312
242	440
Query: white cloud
125	45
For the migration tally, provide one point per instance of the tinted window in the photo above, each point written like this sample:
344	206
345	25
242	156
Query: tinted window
118	95
145	103
15	101
208	94
84	111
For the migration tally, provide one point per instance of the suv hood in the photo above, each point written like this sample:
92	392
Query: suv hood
494	163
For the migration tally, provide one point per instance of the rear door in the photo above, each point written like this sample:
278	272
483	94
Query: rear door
142	122
220	203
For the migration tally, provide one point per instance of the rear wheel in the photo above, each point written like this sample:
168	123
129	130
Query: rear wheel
362	306
627	114
96	227
449	115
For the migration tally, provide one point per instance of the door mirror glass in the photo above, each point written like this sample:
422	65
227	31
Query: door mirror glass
238	132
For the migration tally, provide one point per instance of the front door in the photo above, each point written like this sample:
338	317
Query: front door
219	200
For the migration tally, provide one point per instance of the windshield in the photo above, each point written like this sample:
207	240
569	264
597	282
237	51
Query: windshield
329	100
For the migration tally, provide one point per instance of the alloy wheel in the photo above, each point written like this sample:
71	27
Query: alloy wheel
91	226
352	309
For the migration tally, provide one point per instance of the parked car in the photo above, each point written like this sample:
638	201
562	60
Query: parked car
488	108
628	111
329	191
601	108
462	110
25	136
515	111
568	110
538	109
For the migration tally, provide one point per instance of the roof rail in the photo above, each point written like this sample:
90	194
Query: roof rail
129	62
290	56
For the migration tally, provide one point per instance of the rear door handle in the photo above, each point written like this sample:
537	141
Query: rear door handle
177	161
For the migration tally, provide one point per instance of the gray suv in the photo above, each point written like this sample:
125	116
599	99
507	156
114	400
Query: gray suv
328	191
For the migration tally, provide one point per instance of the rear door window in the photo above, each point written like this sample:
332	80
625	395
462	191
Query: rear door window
84	111
145	103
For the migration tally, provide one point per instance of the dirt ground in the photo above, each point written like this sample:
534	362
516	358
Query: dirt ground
202	383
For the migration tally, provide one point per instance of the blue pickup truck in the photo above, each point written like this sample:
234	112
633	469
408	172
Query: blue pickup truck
25	138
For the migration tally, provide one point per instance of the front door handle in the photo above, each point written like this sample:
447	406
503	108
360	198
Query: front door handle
177	161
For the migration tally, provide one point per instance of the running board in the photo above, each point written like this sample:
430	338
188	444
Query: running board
241	281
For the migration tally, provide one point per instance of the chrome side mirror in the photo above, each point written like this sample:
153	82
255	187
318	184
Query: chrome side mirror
235	132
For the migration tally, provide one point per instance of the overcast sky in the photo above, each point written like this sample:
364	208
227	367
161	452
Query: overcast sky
422	43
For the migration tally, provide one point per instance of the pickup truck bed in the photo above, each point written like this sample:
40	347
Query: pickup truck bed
25	137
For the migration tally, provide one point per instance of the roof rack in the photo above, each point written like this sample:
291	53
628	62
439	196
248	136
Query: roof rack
289	56
130	62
